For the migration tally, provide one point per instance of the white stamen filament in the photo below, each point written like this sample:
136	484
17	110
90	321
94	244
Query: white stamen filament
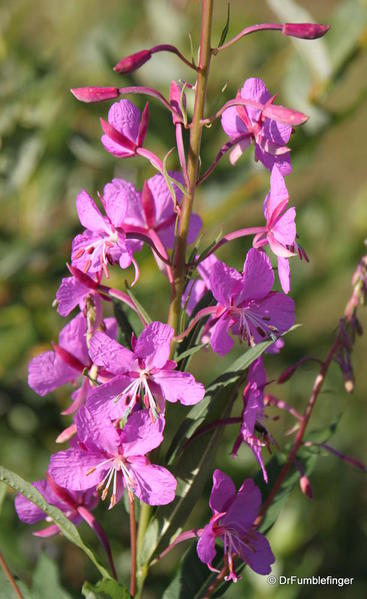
133	390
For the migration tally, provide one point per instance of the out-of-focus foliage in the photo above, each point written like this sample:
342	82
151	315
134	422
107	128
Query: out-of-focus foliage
50	149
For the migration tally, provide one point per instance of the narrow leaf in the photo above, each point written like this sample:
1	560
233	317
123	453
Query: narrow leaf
142	310
224	34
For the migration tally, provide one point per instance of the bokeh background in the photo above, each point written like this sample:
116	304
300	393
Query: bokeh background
51	149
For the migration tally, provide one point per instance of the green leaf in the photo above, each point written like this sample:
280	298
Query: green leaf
138	305
191	351
193	577
105	589
224	34
46	583
66	527
123	322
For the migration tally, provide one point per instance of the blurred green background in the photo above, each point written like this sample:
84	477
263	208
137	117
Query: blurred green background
50	149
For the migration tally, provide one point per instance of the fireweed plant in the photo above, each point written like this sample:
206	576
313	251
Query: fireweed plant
122	395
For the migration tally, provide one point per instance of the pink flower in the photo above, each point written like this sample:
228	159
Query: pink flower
105	457
232	522
145	371
269	136
246	304
66	501
280	226
104	241
253	412
52	369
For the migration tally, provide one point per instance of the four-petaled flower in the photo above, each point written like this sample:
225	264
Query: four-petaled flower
246	304
233	520
269	136
110	459
144	373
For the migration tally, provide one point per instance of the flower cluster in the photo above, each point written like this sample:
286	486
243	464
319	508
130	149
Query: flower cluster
121	392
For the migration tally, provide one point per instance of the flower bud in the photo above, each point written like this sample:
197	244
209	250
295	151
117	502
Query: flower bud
133	62
305	31
305	486
95	94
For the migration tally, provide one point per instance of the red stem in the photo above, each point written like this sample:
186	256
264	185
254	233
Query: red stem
132	544
10	577
319	381
204	312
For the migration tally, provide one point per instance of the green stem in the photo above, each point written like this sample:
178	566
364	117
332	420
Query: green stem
192	163
179	269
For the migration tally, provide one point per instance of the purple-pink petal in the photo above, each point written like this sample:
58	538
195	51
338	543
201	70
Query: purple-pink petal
47	372
223	492
125	118
279	308
95	433
179	386
257	554
72	293
258	276
140	434
232	124
72	338
223	282
104	401
76	469
89	215
206	545
155	485
116	200
153	344
284	274
220	340
244	508
106	352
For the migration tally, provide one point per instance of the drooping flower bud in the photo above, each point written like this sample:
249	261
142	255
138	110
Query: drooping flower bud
305	31
131	63
95	94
